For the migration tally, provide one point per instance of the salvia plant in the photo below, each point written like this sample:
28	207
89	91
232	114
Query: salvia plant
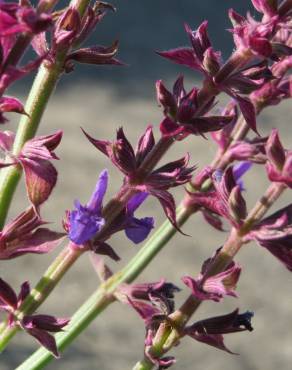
253	77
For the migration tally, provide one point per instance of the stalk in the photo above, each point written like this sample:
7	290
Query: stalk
38	98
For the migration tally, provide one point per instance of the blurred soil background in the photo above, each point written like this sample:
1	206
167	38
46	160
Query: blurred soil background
100	100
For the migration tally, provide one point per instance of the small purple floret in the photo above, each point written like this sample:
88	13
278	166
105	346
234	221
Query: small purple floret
137	229
239	170
86	221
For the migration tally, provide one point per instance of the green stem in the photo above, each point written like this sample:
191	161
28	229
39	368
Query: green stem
39	95
50	279
46	284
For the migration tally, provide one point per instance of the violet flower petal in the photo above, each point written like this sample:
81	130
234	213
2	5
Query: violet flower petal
85	221
95	202
239	170
136	201
83	224
139	229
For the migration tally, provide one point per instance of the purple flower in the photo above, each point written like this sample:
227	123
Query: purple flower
160	295
86	221
273	92
95	55
247	150
210	331
137	229
153	302
9	73
251	35
262	38
200	56
15	19
266	7
71	30
40	326
10	104
239	169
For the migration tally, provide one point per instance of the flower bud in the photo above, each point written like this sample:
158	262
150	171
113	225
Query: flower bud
237	205
166	99
211	61
275	150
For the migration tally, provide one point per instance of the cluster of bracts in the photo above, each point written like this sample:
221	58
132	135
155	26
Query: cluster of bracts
255	76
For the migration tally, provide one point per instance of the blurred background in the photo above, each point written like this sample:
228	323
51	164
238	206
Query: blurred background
100	100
